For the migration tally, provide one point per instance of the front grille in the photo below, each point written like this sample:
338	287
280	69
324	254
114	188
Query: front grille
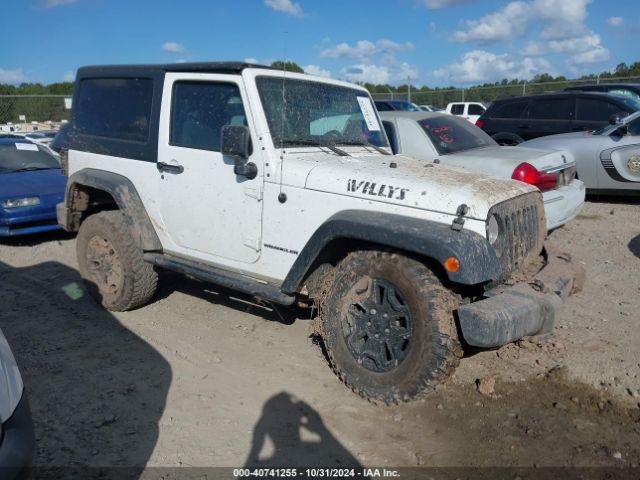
522	231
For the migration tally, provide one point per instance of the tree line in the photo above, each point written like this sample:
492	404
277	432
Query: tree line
53	108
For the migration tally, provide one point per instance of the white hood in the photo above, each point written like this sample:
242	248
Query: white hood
412	183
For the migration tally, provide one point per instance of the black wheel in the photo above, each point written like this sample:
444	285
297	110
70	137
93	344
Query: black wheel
388	327
508	139
111	264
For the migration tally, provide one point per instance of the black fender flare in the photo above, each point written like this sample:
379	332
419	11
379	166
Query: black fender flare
126	197
478	260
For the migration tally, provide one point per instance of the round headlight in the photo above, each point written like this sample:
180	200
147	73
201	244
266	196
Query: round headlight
493	229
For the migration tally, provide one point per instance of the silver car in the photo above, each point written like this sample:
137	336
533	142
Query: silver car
607	160
456	142
16	427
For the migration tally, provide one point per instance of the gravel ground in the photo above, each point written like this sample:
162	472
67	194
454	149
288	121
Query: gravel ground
205	378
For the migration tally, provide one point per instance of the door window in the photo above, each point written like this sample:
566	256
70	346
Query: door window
199	110
593	110
457	109
511	110
475	109
551	109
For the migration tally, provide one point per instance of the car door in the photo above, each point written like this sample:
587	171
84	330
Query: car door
547	116
593	113
208	211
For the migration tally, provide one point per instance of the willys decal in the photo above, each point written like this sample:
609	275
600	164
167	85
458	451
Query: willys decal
373	189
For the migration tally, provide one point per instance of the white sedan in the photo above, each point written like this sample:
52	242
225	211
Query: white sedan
436	137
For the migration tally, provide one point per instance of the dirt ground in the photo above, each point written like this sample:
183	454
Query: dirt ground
205	378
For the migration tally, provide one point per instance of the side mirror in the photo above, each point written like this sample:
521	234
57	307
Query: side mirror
235	142
616	118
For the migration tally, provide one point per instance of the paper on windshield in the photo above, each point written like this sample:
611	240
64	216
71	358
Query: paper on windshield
369	114
26	146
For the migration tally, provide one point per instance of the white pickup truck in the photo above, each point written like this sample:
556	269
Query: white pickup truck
470	111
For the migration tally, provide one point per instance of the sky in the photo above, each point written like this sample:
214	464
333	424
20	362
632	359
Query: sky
430	42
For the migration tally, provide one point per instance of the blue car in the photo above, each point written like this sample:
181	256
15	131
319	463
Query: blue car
31	185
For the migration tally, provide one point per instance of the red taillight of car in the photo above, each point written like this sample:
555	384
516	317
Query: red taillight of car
527	173
480	123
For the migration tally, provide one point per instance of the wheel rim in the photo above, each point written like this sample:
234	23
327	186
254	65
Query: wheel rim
378	326
104	265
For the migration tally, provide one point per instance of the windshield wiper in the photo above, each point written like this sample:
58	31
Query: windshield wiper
314	143
365	144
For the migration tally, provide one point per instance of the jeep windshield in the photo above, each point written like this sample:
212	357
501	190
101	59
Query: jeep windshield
23	157
308	113
450	135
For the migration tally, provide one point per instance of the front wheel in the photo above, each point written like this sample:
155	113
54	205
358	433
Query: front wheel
111	264
388	327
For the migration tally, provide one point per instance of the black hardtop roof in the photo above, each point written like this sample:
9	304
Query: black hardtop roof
195	67
564	93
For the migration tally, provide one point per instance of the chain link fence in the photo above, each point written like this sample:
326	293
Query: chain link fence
441	97
23	113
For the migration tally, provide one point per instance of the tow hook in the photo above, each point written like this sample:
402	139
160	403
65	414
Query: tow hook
458	222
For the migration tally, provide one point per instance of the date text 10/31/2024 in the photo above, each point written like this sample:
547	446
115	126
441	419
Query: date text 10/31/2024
315	473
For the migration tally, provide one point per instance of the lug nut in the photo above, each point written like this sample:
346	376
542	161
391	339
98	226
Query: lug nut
368	324
373	311
386	330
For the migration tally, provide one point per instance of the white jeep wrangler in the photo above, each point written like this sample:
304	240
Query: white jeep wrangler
282	186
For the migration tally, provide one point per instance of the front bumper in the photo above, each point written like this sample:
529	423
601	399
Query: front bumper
17	443
523	309
28	223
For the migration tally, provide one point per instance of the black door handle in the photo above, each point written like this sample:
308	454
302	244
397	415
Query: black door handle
523	126
167	167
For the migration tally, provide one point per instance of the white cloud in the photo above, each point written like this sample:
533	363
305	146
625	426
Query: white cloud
595	55
57	3
576	44
501	25
480	66
251	60
561	19
70	76
438	4
406	71
366	73
533	49
316	70
12	77
173	47
615	21
366	49
285	6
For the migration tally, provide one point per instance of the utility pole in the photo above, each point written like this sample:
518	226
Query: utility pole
524	88
390	91
409	81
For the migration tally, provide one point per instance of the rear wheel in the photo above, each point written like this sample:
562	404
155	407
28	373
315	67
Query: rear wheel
388	327
111	264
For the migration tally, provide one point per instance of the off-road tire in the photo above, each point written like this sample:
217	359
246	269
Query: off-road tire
434	348
136	281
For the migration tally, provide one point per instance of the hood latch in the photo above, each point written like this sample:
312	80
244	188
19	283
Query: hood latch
458	222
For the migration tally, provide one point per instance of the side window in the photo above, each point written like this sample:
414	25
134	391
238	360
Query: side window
117	108
551	109
593	110
457	109
475	109
383	107
510	110
199	110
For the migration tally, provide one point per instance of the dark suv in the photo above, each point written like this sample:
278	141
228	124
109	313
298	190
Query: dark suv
511	121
